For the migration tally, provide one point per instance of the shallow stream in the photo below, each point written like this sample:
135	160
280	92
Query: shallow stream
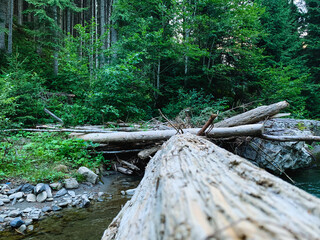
89	224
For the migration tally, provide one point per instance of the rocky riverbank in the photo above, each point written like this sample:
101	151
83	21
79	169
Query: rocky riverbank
23	204
280	156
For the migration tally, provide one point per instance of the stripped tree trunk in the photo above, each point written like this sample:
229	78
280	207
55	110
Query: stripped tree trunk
20	10
254	115
158	135
192	189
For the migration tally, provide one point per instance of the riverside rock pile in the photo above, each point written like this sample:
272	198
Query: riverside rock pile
42	200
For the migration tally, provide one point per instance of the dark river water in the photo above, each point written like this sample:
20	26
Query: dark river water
89	224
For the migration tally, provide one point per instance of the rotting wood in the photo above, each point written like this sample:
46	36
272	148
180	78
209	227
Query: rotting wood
121	137
254	115
192	189
280	115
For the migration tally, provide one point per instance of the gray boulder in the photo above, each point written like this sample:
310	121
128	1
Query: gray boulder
88	174
280	156
61	193
40	187
71	183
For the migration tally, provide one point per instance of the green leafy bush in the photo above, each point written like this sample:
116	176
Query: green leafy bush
34	156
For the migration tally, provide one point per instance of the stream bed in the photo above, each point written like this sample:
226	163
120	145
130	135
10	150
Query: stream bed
85	223
90	223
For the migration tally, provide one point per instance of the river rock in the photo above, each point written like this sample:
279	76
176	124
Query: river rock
280	156
34	214
31	198
41	197
85	201
63	204
56	208
72	193
71	183
5	200
1	203
130	192
40	187
27	188
14	201
22	229
27	210
56	186
12	191
17	222
14	213
88	174
17	195
28	221
48	190
61	193
46	209
30	228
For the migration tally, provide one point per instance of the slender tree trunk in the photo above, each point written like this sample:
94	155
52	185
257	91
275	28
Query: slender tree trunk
55	53
3	12
10	26
96	33
20	10
102	29
68	20
158	78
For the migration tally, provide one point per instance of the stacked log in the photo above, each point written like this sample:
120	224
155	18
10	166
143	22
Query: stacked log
192	189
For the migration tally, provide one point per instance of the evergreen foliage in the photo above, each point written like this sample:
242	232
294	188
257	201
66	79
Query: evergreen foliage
157	54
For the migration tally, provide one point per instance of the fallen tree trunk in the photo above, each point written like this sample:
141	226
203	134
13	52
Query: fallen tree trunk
146	136
291	138
254	115
192	189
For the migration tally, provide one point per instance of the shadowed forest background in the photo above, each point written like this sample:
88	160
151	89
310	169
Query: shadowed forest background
91	61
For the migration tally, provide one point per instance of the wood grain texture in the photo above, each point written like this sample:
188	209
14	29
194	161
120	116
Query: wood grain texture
192	189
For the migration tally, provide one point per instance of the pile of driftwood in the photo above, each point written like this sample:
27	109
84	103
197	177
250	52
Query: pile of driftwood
139	146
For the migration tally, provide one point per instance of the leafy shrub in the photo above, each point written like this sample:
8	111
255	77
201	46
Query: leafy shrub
34	156
201	105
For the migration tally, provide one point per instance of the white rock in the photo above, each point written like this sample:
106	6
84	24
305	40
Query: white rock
72	193
90	175
31	198
130	191
41	197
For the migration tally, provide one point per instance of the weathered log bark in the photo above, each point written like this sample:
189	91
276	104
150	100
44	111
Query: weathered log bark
192	189
146	153
123	137
254	115
291	138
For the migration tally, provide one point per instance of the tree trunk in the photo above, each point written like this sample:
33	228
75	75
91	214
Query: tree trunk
20	10
146	136
3	14
55	53
102	29
10	26
254	115
68	21
192	189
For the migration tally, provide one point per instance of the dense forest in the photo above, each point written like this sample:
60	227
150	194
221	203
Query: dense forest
91	61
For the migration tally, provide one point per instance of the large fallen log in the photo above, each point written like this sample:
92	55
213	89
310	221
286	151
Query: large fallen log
254	115
146	136
192	189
